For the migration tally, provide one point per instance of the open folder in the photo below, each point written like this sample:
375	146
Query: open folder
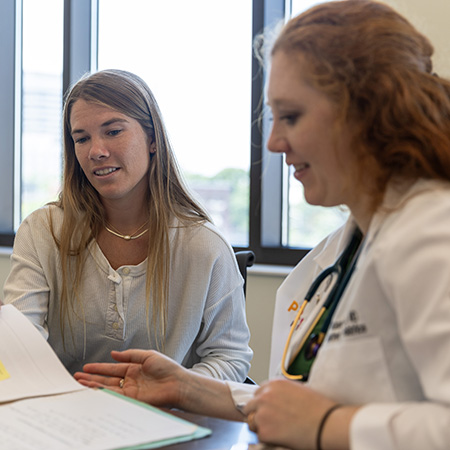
43	407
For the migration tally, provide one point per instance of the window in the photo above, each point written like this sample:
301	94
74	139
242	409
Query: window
10	93
42	57
197	58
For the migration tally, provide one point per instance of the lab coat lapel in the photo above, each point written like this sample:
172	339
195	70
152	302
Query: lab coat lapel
291	293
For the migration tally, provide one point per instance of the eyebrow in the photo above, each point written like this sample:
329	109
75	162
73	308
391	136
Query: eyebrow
104	124
282	102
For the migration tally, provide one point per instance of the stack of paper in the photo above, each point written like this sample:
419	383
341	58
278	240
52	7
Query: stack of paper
43	407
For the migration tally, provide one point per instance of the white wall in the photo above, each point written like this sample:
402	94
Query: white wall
261	291
430	17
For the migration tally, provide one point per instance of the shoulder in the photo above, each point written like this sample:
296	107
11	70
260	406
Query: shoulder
425	194
35	231
201	244
201	235
42	217
412	243
422	216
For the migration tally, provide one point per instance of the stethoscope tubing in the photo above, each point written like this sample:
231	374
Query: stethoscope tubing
342	278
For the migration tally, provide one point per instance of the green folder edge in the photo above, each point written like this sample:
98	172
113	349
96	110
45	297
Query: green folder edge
200	432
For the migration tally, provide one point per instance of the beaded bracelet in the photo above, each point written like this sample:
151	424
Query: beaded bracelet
322	424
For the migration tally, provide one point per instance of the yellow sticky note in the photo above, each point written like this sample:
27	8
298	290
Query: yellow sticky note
3	372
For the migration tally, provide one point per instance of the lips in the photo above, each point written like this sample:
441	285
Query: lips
106	171
300	170
301	166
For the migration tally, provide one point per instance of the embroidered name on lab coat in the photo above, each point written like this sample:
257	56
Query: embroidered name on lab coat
348	327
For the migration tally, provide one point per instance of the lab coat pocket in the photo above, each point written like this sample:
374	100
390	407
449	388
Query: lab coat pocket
353	371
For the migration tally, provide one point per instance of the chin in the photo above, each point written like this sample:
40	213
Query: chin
316	201
311	200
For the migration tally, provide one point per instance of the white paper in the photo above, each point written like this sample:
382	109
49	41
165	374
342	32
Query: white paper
43	407
28	365
88	420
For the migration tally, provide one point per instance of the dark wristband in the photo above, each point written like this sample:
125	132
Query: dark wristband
322	424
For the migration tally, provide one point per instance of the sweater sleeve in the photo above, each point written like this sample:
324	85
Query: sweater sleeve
27	287
223	341
211	274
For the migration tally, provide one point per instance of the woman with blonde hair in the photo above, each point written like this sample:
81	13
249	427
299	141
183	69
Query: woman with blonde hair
361	334
127	257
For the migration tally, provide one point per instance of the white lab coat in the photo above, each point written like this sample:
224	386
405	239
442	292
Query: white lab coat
388	346
390	336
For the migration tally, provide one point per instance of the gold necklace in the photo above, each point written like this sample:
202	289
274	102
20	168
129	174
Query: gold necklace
129	237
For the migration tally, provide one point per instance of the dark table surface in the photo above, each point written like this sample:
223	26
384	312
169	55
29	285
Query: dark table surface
226	434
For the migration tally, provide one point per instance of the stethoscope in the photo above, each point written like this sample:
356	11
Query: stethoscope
302	359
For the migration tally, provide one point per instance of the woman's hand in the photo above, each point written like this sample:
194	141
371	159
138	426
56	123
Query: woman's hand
151	377
147	376
288	413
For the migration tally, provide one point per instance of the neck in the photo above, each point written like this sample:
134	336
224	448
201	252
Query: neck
363	222
362	213
129	237
125	218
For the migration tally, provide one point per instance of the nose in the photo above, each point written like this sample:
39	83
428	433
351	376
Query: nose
276	142
98	150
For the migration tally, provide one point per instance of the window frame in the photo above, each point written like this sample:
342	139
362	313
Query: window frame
80	56
10	124
267	180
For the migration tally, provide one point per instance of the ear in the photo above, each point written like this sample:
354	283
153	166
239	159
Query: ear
153	147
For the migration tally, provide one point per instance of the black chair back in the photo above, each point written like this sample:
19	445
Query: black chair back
245	258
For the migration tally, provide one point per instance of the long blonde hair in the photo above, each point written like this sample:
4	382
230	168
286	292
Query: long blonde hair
84	215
